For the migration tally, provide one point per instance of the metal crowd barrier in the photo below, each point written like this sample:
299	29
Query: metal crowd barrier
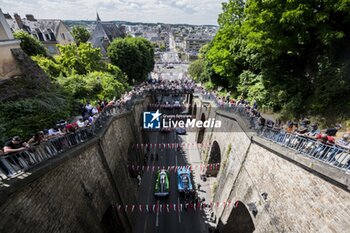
333	155
16	163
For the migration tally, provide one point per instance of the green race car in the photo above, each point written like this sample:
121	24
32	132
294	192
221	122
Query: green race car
162	184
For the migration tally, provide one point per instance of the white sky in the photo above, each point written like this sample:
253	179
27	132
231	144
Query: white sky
150	11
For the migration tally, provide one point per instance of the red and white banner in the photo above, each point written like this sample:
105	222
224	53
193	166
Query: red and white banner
168	105
171	145
152	168
172	207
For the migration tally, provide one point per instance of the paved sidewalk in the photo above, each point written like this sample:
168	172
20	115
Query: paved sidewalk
193	158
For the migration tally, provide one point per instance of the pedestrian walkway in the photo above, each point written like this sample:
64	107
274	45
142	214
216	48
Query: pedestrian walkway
205	191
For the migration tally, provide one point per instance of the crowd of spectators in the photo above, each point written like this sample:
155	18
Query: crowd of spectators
302	135
19	154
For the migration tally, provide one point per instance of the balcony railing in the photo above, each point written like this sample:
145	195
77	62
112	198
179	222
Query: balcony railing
14	164
331	154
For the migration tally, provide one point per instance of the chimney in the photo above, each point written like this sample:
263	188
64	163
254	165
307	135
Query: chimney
30	17
18	20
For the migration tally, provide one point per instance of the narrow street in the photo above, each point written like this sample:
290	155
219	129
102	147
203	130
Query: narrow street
175	221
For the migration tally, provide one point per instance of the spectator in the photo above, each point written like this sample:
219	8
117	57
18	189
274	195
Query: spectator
53	132
344	141
324	138
88	107
255	105
72	127
15	146
313	131
81	123
83	110
36	139
333	131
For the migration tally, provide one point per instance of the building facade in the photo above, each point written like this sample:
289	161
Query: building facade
49	31
8	66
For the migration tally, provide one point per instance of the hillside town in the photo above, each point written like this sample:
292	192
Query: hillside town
186	40
165	123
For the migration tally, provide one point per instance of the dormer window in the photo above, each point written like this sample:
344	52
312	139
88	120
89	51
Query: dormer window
52	35
40	35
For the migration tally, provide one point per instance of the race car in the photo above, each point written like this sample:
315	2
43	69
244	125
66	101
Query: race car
180	130
177	104
162	184
184	184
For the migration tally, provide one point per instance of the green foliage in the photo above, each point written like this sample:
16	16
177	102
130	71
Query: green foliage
30	45
93	86
49	65
81	73
80	34
288	55
196	69
79	59
134	56
24	116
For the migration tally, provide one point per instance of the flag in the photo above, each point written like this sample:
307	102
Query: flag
140	208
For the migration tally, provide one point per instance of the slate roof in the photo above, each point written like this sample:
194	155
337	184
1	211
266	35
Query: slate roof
49	26
111	30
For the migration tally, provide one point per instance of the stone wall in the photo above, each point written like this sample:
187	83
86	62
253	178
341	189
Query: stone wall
303	195
8	65
74	192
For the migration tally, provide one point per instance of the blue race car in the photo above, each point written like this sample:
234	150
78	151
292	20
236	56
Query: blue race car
184	183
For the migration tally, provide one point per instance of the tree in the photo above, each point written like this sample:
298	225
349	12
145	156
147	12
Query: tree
79	59
30	45
93	86
49	65
196	69
291	55
80	34
134	56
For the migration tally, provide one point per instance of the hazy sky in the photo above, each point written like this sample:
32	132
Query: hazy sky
165	11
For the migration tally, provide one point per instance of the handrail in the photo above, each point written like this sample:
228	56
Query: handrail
332	155
15	163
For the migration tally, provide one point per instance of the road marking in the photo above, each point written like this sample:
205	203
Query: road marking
149	192
157	216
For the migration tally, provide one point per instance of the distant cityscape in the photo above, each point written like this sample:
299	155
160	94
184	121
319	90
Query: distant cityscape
185	40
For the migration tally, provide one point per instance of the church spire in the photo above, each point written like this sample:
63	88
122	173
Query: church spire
98	17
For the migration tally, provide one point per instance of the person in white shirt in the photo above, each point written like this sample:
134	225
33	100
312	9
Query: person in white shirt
94	111
81	123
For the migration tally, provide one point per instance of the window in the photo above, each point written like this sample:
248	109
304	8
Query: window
63	36
53	38
40	35
47	36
